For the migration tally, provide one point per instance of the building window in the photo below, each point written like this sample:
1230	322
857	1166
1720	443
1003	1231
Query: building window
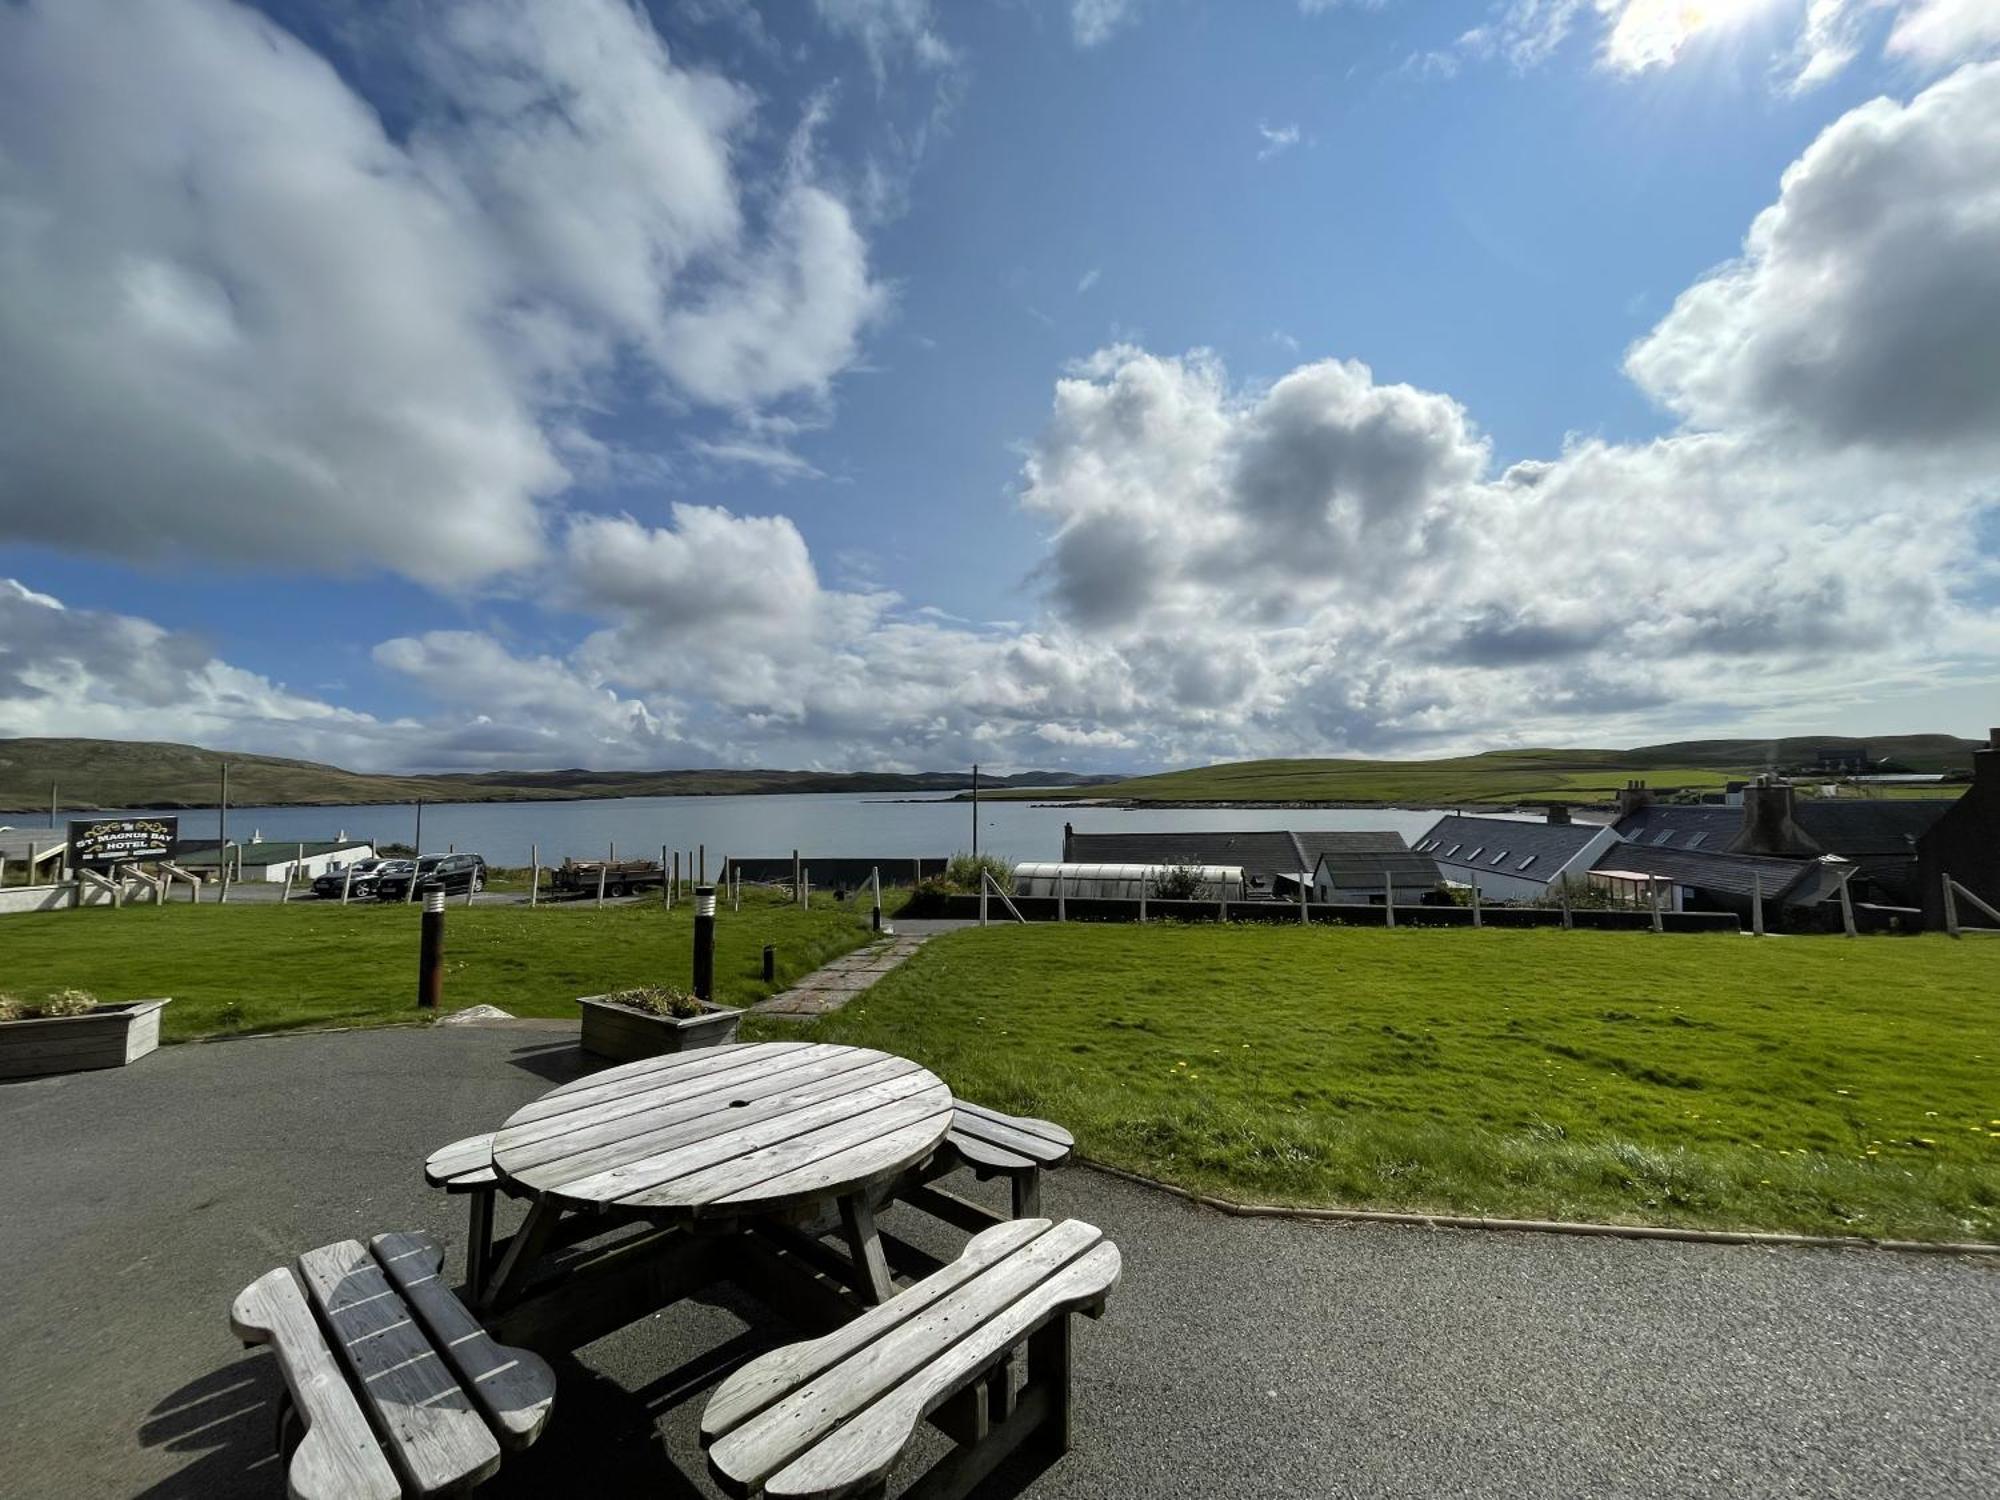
1525	863
1475	854
1498	855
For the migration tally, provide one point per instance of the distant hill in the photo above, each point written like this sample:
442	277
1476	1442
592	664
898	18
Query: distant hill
1580	775
93	774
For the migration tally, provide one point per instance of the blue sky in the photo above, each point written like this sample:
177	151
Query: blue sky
1086	384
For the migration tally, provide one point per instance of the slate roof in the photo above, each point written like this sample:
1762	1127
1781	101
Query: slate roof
1453	839
1726	874
1263	854
1670	826
1369	868
1876	825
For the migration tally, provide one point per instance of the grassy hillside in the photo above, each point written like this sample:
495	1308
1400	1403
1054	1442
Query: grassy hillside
1512	775
120	773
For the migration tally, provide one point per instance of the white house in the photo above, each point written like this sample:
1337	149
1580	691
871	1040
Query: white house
1514	859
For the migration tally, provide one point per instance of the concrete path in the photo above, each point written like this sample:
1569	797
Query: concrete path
1239	1358
832	985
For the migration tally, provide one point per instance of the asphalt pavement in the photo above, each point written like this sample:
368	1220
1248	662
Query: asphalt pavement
1239	1357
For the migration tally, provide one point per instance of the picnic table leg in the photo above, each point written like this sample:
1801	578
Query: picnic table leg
479	1242
864	1243
522	1252
1027	1193
1048	1367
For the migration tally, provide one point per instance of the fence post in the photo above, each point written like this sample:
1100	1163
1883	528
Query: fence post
797	886
534	873
1222	900
1475	905
703	876
1846	905
875	916
1144	881
1062	902
677	877
1653	894
471	884
806	889
33	865
347	882
1757	902
1304	914
1389	895
602	871
1950	907
982	898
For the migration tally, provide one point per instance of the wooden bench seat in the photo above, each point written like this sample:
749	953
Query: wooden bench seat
1010	1146
467	1167
831	1417
399	1389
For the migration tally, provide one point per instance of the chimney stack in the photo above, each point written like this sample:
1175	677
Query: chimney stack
1558	813
1769	826
1986	763
1633	797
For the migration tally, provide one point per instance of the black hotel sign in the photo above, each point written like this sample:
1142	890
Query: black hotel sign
117	841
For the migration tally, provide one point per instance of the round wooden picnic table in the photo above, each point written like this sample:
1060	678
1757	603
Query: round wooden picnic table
728	1133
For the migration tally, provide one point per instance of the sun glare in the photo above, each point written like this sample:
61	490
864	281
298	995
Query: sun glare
1651	33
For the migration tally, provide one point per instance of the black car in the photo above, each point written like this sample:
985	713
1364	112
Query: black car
333	882
446	872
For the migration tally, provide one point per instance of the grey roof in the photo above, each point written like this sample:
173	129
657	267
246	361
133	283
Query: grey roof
1453	839
1679	826
1875	825
1727	874
1264	854
1368	868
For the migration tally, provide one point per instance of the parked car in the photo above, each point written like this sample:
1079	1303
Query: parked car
333	882
447	872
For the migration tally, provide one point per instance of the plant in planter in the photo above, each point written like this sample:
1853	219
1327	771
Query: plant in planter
653	1020
69	1030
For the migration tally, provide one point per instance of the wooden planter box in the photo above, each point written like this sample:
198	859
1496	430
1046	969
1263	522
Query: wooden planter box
108	1037
626	1035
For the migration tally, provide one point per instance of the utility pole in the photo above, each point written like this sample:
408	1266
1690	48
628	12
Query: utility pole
419	850
222	838
975	809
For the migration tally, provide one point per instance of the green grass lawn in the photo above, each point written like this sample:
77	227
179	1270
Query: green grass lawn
271	967
1813	1084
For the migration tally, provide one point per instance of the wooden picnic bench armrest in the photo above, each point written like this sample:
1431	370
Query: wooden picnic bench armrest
831	1417
338	1459
463	1166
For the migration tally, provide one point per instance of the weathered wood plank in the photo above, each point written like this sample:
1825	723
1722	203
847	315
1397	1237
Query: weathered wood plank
867	1163
448	1166
726	1141
1021	1142
435	1437
1047	1130
339	1458
512	1386
843	1427
989	1158
589	1143
631	1078
865	1449
819	1161
770	1377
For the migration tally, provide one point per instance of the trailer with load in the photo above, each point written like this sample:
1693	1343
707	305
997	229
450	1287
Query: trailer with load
620	877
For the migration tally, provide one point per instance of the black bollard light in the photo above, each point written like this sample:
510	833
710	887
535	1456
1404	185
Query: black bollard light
770	962
430	955
704	942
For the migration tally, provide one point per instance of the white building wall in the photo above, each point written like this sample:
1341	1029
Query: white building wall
1506	882
311	867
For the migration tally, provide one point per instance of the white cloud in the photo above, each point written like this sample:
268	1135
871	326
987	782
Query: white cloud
1867	302
887	29
1086	281
1092	22
1276	139
1938	33
240	320
1325	562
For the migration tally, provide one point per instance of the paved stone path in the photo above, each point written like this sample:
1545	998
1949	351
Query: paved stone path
833	985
